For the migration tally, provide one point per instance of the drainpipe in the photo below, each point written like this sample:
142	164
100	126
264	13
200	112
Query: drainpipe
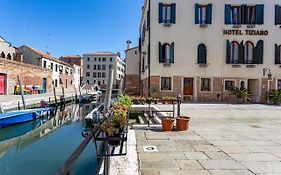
149	38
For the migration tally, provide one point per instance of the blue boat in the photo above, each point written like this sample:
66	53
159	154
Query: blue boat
16	117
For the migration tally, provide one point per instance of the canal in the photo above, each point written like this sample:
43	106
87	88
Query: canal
42	146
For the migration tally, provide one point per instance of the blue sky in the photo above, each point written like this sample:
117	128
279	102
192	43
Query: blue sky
71	27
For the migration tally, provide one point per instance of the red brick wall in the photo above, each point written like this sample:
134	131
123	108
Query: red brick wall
29	74
132	85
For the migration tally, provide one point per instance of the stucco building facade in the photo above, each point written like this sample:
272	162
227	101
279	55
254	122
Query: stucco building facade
203	49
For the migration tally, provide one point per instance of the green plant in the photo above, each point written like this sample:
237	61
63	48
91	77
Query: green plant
109	128
124	100
275	96
153	90
242	94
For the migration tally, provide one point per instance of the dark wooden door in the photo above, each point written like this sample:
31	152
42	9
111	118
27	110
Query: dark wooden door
2	83
188	86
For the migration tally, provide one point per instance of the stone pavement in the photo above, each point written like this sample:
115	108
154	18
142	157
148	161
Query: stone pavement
222	140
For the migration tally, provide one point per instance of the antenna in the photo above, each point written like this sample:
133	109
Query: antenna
49	42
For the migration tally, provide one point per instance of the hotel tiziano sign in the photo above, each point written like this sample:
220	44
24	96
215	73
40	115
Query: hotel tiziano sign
245	32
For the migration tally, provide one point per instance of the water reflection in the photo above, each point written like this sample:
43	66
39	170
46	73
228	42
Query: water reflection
46	147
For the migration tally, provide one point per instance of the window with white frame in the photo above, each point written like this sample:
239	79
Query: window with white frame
234	52
166	83
206	84
279	84
249	52
229	85
242	84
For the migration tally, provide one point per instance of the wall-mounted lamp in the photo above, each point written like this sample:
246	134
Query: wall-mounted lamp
269	73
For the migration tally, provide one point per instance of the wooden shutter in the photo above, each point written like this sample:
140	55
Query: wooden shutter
172	53
160	16
228	52
243	14
201	54
173	17
276	54
258	53
259	13
277	15
227	14
209	14
196	14
241	53
160	53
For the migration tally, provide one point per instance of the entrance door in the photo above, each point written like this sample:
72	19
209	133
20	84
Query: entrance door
253	86
45	84
188	86
2	83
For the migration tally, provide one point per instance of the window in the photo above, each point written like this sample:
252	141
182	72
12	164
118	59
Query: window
57	67
87	74
95	67
45	64
99	74
99	59
201	54
167	13
110	59
103	59
103	67
242	85
279	84
166	53
277	54
249	52
88	81
56	83
229	85
88	59
3	54
94	74
103	75
110	66
88	66
244	14
166	83
95	59
99	67
205	84
203	14
277	14
234	51
52	66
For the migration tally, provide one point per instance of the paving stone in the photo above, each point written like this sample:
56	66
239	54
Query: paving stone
150	172
189	165
186	172
159	165
254	157
220	143
161	155
277	154
205	148
233	149
150	135
274	149
195	155
231	172
263	167
255	149
218	155
256	143
221	165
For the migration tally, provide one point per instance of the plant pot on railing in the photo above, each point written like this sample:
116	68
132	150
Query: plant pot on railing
182	123
114	140
168	123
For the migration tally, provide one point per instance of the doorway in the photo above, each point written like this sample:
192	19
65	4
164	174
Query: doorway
2	84
188	86
253	86
45	84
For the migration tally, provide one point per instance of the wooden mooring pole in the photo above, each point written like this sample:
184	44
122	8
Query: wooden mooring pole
55	95
108	92
21	92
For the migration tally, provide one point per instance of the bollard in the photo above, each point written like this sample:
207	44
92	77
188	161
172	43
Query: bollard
19	105
179	105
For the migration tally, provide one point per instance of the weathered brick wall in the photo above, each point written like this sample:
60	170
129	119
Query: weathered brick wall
29	74
132	84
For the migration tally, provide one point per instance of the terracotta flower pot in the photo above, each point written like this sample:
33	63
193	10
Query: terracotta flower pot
168	124
182	123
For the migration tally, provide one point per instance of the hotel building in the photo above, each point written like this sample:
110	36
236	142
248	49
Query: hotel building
202	49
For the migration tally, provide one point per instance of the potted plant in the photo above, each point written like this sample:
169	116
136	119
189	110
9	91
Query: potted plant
167	123
182	123
275	97
242	95
111	131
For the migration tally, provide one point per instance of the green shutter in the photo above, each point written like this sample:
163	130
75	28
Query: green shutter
243	14
173	18
258	53
276	54
201	54
277	15
227	14
160	13
196	14
209	14
259	13
228	52
172	53
241	54
160	53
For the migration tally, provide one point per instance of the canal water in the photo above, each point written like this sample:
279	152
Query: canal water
42	146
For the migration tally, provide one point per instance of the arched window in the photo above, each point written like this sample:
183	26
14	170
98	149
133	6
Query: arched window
9	57
201	54
3	55
278	61
234	52
166	50
249	52
242	85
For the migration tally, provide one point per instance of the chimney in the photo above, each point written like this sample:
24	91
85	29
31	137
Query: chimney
128	44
